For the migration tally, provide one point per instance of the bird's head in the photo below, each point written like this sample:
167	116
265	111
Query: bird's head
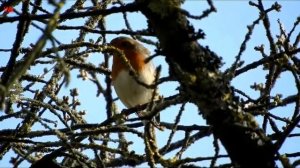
135	53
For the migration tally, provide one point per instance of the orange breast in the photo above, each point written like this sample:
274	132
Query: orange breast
136	60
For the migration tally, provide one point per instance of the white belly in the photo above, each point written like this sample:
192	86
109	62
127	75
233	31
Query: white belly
130	92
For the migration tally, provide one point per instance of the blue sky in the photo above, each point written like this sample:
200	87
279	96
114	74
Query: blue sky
225	31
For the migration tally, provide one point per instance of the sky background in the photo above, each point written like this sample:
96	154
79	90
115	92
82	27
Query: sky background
225	31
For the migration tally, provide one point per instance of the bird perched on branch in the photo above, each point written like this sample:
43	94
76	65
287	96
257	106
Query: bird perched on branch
133	76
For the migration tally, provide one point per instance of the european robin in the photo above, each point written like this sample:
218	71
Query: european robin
129	90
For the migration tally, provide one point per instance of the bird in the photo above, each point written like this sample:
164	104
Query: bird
131	92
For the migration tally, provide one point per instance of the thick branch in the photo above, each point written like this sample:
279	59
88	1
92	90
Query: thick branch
197	70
